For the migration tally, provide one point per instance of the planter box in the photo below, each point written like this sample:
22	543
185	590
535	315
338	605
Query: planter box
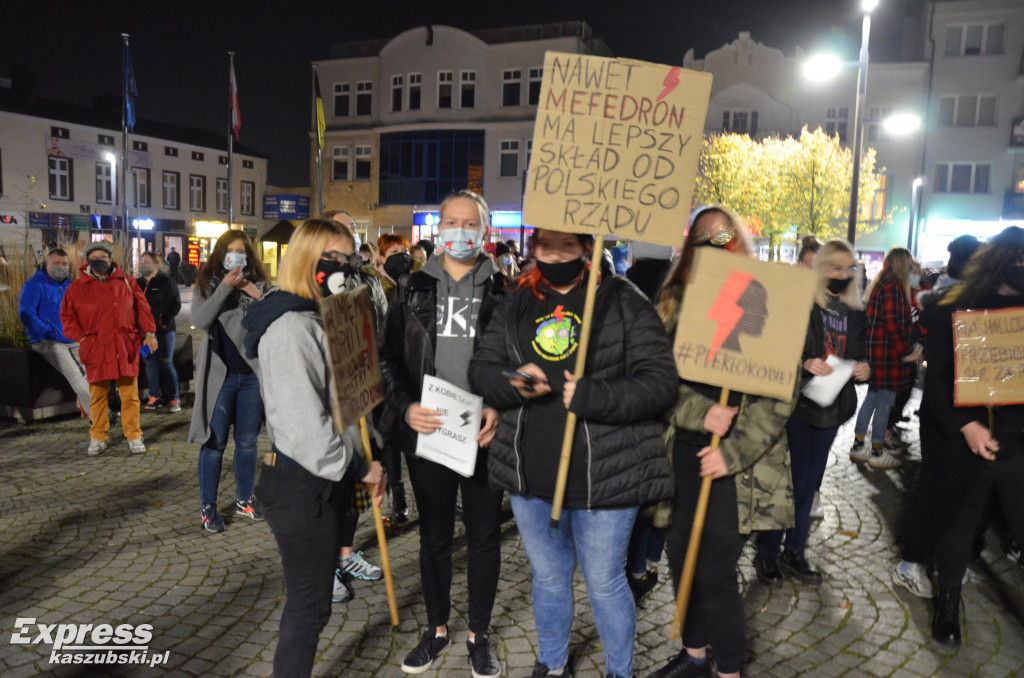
33	389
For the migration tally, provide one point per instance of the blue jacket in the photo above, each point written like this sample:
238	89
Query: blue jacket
39	308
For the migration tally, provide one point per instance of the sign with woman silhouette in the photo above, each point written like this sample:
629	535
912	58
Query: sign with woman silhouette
743	323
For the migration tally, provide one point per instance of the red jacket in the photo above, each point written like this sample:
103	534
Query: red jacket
108	319
890	335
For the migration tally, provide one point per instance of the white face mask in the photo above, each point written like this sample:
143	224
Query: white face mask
233	260
915	280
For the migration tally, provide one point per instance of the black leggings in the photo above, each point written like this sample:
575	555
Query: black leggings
715	614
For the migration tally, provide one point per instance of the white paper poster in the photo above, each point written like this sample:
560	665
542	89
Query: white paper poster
454	444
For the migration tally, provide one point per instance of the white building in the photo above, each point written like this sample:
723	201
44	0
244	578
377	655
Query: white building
55	179
960	70
435	109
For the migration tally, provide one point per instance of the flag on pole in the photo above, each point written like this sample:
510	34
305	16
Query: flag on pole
320	124
130	91
236	116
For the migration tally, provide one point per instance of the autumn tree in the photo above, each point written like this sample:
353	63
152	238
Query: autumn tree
782	185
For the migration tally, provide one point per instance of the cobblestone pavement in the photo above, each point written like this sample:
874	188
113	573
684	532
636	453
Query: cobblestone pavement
116	539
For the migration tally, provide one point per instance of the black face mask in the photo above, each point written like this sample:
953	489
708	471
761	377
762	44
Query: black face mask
561	274
332	276
99	266
838	285
1015	278
398	265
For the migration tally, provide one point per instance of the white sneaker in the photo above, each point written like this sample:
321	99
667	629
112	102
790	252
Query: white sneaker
860	452
884	460
343	591
913	577
137	446
817	513
96	447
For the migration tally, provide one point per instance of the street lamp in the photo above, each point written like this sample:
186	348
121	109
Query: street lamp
858	108
112	159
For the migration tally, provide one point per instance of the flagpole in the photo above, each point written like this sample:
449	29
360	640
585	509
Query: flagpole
231	124
319	142
124	135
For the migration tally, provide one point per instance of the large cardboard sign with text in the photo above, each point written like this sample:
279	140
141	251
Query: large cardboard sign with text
989	355
352	345
743	323
615	147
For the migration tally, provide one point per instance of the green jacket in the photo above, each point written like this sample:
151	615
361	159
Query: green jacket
756	454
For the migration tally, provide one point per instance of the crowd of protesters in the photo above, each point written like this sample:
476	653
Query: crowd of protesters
506	326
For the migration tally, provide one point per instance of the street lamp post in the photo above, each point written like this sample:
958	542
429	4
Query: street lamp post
858	107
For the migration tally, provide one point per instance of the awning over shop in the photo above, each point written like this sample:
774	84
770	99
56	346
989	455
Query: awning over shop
280	233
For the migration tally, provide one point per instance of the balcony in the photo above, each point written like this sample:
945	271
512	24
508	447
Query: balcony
1013	205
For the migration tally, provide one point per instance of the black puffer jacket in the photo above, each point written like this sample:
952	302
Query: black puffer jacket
845	405
164	300
409	340
630	382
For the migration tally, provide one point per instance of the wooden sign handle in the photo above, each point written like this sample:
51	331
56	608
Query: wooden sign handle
690	564
378	521
581	359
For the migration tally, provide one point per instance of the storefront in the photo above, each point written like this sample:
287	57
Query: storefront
289	211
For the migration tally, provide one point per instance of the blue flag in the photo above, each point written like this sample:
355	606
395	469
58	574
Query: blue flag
130	91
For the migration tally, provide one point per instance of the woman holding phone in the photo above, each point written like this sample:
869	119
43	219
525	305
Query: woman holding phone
522	368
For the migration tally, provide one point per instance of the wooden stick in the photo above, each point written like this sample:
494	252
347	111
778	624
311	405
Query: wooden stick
378	521
581	359
690	564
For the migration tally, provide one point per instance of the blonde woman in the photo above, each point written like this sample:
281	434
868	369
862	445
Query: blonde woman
303	484
837	327
890	347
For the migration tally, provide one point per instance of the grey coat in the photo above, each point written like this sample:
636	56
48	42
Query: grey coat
210	369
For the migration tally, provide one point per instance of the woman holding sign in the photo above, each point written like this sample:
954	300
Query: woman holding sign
522	367
434	320
751	490
968	452
837	328
304	481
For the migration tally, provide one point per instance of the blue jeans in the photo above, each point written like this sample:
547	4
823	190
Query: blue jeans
239	402
808	453
160	372
599	540
878	402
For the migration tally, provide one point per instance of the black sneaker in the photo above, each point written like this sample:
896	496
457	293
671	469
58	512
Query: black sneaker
423	655
767	569
481	657
683	667
637	586
541	671
795	565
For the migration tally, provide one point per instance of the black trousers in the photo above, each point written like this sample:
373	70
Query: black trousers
715	613
1005	477
435	487
305	514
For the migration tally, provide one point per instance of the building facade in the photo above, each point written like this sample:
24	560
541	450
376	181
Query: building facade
60	167
960	69
433	110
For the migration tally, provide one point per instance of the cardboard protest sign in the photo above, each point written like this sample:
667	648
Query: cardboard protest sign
454	444
743	323
989	356
352	345
615	147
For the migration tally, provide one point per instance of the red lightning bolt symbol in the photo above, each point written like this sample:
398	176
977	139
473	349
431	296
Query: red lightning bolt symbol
559	313
670	82
726	311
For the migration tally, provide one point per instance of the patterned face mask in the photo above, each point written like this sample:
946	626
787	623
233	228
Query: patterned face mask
461	243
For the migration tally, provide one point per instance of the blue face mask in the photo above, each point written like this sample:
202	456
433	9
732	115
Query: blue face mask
233	260
461	243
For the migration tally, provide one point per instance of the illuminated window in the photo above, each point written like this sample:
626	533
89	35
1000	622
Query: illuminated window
171	193
196	193
140	186
222	195
60	178
248	191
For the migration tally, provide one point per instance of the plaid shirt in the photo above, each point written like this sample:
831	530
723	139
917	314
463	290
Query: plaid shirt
890	335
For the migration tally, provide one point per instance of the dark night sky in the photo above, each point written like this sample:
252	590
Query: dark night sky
179	49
